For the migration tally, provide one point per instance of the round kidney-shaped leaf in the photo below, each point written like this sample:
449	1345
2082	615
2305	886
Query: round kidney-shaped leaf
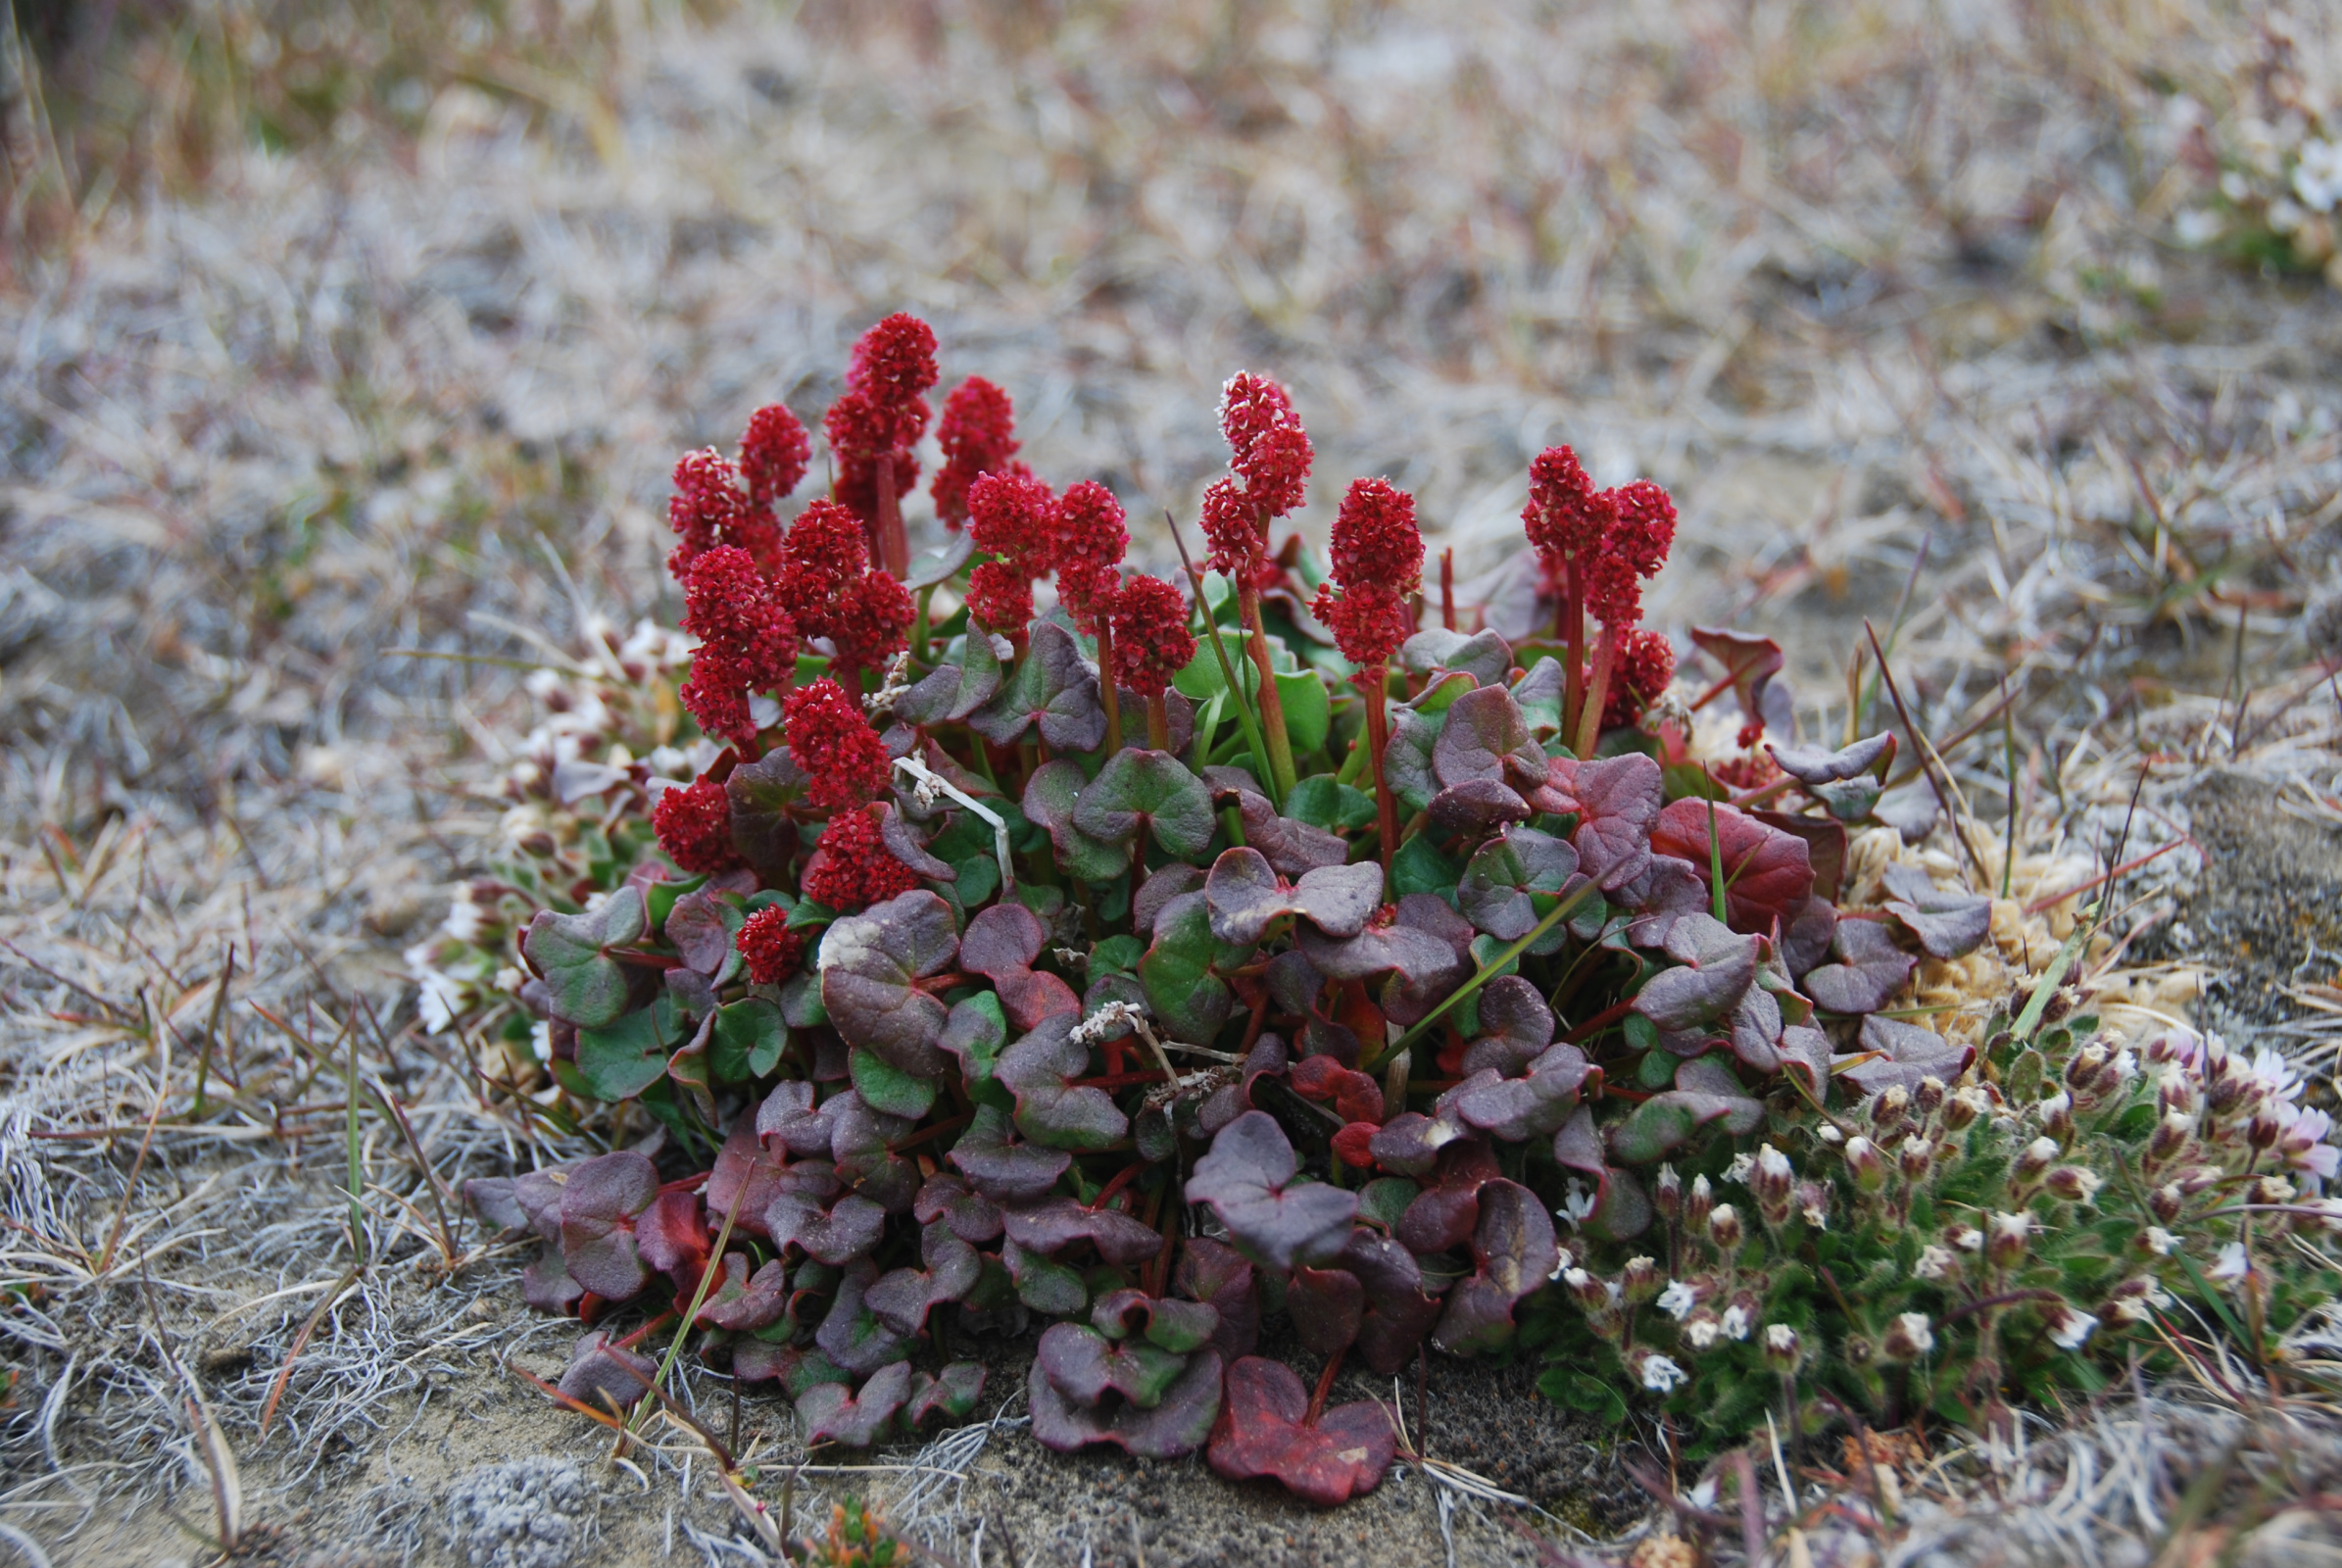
1261	1433
1248	1179
601	1203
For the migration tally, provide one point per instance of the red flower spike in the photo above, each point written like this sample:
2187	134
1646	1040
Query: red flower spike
1645	664
732	610
1376	543
863	434
978	436
707	509
1252	405
1276	471
1152	640
717	697
851	869
872	620
823	552
1089	537
773	951
1613	591
1565	515
1000	596
836	747
894	362
775	452
1645	529
1014	517
1233	530
1367	622
694	824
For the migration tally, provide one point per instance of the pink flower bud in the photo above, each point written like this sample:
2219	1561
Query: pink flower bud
2074	1184
1639	1281
1668	1192
1928	1097
2171	1137
2056	1117
1698	1205
1887	1111
1865	1163
2005	1238
2167	1202
2033	1160
1917	1154
1782	1352
1724	1229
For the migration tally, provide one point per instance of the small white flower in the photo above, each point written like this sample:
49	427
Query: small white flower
1662	1376
1828	1134
1920	1331
463	920
2068	1328
2161	1242
1702	1335
1736	1322
2233	1264
1678	1301
1936	1263
1967	1238
1739	1170
438	997
2317	176
510	980
1703	1496
1577	1279
540	1039
1577	1205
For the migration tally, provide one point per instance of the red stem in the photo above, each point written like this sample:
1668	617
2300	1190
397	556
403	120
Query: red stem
1597	694
893	549
1159	723
1448	588
1120	1180
1572	615
1375	679
1325	1387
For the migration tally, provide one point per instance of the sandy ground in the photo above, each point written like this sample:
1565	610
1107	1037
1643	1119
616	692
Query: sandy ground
1887	302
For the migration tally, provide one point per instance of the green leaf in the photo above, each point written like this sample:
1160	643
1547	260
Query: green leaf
975	1032
587	986
661	896
1147	790
1688	781
1420	866
749	1036
1308	713
1322	802
1579	1391
1190	998
888	1087
622	1060
1117	954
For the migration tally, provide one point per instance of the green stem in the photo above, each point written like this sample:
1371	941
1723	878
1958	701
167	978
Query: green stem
918	626
716	1261
2030	1019
1560	912
1235	688
1272	701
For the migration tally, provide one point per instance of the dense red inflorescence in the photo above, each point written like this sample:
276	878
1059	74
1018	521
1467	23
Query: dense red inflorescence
1012	516
1378	563
1152	640
1001	597
1270	454
1089	537
1564	516
852	868
882	414
1646	662
1617	538
844	761
978	436
823	554
775	452
773	951
694	824
873	619
1368	624
748	640
708	510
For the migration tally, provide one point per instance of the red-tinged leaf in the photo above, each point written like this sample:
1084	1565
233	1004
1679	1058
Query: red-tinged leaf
949	693
546	1285
1765	871
834	1234
1407	758
1248	1179
868	965
1048	804
1667	891
1540	692
1056	1223
1293	849
1748	663
1714	970
701	926
1141	791
1050	1110
1484	655
1427	944
1868	972
905	844
1217	1275
1486	740
601	1203
1398	1313
603	1373
1002	1168
1184	987
1354	1144
860	1133
1514	1250
761	793
1178	1425
1409	1143
1164	1322
1476	807
1000	945
1085	1366
1806	932
1904	1053
944	1399
790	1119
585	986
1947	924
530	1201
746	1303
1244	892
1617	801
829	1415
1621	1210
902	1298
1325	1306
1261	1433
1443	1215
1053	688
1499	887
1824	848
973	1218
1516	1110
672	1237
1155	893
851	1335
1516	1027
1356	1096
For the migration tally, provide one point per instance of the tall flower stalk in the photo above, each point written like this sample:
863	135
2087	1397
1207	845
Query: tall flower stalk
1596	548
1378	566
1270	459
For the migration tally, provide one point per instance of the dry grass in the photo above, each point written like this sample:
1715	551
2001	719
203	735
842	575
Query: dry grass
1877	289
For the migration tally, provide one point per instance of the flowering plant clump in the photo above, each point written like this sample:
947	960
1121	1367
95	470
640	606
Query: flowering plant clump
1434	990
2273	164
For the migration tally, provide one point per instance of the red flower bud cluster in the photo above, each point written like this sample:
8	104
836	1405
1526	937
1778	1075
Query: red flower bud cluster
1012	516
844	761
1378	563
1616	538
978	436
1088	538
1152	640
773	951
1270	452
852	868
694	824
775	452
882	413
708	510
1000	595
1646	663
748	641
827	583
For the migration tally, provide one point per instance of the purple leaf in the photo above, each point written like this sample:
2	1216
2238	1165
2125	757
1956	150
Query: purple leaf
1293	849
746	1303
671	1237
1244	892
835	1234
950	693
1041	1284
1519	1109
1516	1026
1056	1223
868	965
946	1197
851	1335
1158	890
1217	1275
530	1201
1621	1210
1484	655
1749	664
1048	1108
1476	805
1407	758
1409	1143
906	846
1810	764
1420	942
1765	871
600	1205
1497	892
746	1173
1355	1096
1806	930
1617	801
789	1118
584	985
1443	1215
951	1396
1869	971
1165	1322
1085	1366
902	1298
546	1285
1325	1306
1261	1433
1053	688
1904	1053
701	926
1949	924
1000	945
858	1138
1486	740
605	1374
1001	1169
1715	968
1050	797
1398	1313
1824	848
1178	1425
829	1415
761	793
1248	1179
1140	791
1513	1249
